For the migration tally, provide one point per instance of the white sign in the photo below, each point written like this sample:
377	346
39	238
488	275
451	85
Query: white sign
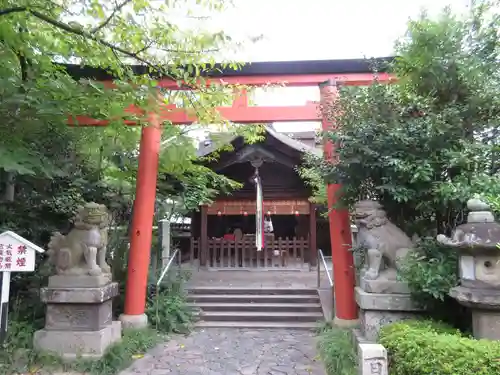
372	359
16	253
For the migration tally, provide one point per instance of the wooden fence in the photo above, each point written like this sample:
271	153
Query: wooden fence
229	254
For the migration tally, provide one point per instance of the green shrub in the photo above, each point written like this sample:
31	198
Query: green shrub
430	272
429	348
167	307
336	348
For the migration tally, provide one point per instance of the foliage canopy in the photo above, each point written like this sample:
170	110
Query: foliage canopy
428	142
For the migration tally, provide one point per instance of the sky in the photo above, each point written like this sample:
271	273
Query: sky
320	30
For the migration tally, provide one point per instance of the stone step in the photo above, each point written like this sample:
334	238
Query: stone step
263	307
254	298
259	316
253	291
258	325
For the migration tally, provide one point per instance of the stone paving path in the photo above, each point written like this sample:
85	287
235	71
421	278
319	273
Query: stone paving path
233	352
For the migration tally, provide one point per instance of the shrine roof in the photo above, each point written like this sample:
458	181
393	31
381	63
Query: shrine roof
270	68
204	150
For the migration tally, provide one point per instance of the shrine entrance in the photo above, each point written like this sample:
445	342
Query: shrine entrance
227	233
231	237
325	75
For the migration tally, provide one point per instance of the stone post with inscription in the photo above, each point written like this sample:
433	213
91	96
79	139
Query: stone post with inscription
372	359
381	297
79	296
478	243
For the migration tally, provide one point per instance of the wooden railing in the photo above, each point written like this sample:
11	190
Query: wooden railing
278	253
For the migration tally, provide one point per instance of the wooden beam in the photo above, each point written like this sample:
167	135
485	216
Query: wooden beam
246	153
203	250
275	207
296	80
240	115
288	80
313	248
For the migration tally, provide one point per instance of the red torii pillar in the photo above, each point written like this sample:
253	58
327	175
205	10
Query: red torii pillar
346	310
142	222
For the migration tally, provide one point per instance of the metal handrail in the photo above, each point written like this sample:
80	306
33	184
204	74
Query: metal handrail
176	254
322	258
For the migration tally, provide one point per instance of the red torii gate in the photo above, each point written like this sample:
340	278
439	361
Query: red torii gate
326	74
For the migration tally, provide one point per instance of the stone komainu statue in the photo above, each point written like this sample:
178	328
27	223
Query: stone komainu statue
386	244
83	250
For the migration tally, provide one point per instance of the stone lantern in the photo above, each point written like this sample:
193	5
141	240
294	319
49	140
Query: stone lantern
477	243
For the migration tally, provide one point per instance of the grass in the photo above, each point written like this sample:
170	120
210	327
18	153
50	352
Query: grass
18	356
134	344
337	351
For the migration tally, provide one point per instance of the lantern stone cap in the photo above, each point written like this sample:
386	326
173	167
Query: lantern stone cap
479	211
477	204
24	241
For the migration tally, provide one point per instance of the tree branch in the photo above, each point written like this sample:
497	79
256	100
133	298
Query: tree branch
113	13
90	36
114	48
86	34
4	12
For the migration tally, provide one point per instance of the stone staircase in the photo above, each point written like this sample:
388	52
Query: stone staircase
239	307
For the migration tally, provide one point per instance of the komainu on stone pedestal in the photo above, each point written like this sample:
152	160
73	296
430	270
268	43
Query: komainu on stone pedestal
381	297
386	244
78	319
83	250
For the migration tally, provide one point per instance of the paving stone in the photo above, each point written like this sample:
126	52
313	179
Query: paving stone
233	352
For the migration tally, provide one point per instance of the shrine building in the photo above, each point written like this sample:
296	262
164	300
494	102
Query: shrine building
223	234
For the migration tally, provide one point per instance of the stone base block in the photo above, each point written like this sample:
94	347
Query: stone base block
373	321
70	295
378	310
81	344
385	302
487	299
383	286
79	281
78	317
486	324
134	321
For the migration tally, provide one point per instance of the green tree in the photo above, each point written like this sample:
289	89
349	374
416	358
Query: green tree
48	168
38	94
427	143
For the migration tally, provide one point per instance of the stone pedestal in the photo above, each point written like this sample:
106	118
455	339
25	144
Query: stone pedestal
378	309
485	306
372	359
79	319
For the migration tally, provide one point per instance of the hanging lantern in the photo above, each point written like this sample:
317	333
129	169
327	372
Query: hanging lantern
296	213
219	213
268	213
245	213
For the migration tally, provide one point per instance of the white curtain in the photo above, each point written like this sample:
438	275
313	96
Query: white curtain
259	219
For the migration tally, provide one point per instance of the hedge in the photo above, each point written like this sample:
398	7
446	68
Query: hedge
430	348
